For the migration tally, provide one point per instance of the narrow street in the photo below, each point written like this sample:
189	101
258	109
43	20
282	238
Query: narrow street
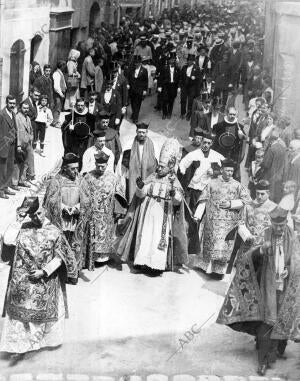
123	323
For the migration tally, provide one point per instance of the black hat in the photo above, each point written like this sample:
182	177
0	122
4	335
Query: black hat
101	157
278	215
191	57
137	59
263	185
142	126
114	66
99	133
172	55
198	132
103	115
202	47
208	135
228	163
29	205
70	158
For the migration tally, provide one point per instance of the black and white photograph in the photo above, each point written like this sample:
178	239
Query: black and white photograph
149	190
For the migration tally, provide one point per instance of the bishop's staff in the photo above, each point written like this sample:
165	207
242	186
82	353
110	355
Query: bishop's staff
172	194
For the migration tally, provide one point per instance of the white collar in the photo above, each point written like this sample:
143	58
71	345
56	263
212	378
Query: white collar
227	121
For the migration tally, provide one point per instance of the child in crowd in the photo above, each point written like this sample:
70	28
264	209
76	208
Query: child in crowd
43	120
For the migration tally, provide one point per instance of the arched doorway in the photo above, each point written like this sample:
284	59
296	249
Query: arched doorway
94	22
34	46
17	53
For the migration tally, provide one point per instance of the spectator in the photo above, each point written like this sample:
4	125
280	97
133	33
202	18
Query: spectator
60	88
25	135
88	73
8	138
43	120
73	79
44	84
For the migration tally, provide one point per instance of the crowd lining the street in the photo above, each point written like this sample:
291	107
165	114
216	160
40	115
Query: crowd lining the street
187	208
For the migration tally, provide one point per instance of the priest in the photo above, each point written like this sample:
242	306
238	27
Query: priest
35	305
142	157
220	209
267	305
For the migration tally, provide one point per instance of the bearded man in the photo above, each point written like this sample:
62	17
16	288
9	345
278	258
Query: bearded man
61	200
156	214
223	202
101	199
35	303
142	158
268	305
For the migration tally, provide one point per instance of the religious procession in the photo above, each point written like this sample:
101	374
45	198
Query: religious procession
226	205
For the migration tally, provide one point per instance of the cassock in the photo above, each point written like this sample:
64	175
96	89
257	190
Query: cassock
142	163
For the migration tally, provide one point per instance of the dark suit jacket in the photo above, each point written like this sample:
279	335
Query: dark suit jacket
165	79
32	109
206	121
188	82
139	84
204	70
122	89
113	107
8	133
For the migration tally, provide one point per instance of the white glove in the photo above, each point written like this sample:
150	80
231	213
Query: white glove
117	121
124	110
178	90
71	127
159	89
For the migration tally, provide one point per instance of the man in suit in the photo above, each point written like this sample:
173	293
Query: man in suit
110	102
209	120
189	85
32	101
44	84
235	63
138	86
8	137
168	85
203	62
120	85
25	167
88	73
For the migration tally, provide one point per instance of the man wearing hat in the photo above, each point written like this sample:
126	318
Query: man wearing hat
120	85
213	117
61	200
42	263
203	62
138	86
88	160
112	139
220	209
142	48
235	63
142	158
168	82
268	308
110	102
189	85
101	198
217	51
188	49
76	130
203	162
